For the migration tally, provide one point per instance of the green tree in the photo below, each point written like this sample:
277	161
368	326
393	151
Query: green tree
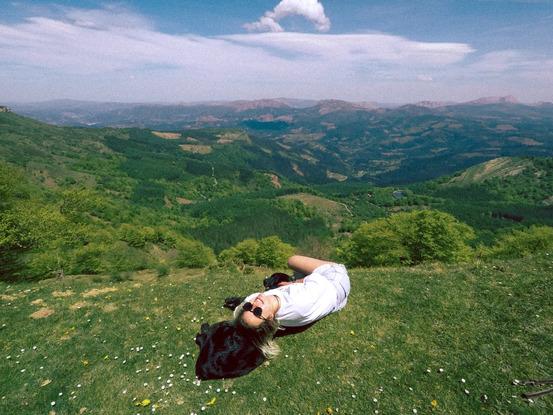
373	243
89	259
76	204
27	226
193	254
243	253
408	238
268	252
272	252
13	186
520	243
136	236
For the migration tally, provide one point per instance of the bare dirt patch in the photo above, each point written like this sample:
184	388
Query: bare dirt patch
505	127
98	291
6	297
42	313
196	148
67	293
184	201
209	118
110	307
38	301
321	203
78	305
404	139
296	169
274	180
336	176
525	141
167	136
144	276
309	158
329	125
231	137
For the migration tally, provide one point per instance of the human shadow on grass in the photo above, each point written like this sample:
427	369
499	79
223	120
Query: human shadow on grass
225	348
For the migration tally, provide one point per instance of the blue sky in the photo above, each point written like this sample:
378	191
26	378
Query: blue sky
173	51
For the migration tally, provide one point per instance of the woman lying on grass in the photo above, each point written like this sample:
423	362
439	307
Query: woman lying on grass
324	290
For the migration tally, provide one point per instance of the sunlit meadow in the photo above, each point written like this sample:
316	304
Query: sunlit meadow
429	339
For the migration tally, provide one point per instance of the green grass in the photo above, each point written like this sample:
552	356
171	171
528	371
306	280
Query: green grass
487	323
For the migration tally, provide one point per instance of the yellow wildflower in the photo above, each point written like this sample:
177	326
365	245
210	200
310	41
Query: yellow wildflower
144	402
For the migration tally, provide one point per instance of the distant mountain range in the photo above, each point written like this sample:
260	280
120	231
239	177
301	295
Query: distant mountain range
224	113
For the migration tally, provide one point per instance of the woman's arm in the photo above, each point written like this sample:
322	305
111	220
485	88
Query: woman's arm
284	283
304	264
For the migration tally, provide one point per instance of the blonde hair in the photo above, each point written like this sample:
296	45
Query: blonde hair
262	336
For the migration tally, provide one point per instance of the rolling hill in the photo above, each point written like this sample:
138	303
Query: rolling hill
339	140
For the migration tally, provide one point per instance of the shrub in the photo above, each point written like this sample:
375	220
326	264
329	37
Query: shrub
520	243
136	236
242	253
270	252
193	254
162	270
118	276
48	263
88	259
373	243
25	228
121	257
76	204
13	185
408	238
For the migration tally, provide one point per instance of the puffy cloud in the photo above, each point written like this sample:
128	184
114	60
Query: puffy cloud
312	10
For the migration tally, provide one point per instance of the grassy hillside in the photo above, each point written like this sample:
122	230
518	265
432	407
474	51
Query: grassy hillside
101	200
496	196
432	338
498	168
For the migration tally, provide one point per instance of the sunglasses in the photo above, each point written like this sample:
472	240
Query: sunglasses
257	311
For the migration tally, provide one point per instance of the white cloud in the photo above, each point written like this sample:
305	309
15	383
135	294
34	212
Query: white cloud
355	48
96	41
498	61
111	16
312	10
113	53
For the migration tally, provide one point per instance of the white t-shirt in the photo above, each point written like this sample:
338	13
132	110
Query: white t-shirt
321	293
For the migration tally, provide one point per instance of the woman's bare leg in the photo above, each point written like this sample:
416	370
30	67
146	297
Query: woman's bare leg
304	264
